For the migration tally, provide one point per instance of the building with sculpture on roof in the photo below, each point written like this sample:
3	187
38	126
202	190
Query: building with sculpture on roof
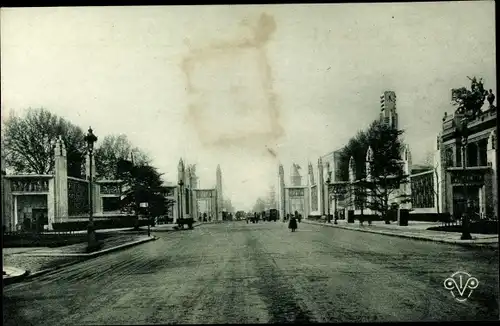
433	189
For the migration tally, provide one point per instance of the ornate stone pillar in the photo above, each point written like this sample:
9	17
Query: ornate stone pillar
438	176
281	192
96	188
352	179
220	198
407	171
369	178
60	182
492	197
321	188
51	203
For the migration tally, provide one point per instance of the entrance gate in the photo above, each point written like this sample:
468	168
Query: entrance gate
206	203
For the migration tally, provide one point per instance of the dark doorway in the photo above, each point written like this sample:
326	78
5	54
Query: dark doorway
459	201
40	219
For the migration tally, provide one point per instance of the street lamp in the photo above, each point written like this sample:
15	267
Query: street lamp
328	182
90	138
337	190
463	133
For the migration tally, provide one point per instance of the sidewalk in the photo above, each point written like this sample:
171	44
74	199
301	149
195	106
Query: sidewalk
37	261
415	230
12	274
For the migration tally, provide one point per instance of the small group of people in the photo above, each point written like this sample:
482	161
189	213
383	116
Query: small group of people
205	218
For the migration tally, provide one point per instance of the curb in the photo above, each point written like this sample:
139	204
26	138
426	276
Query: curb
93	254
29	275
174	230
15	279
455	242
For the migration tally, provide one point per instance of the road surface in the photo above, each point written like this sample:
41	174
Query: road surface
260	273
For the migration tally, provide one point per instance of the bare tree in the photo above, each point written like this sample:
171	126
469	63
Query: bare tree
29	142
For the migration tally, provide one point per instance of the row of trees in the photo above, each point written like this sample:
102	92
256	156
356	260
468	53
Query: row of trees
28	148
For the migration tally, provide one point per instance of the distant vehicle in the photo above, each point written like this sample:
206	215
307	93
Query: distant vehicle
240	215
271	215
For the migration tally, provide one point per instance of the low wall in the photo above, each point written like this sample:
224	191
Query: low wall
28	239
429	217
108	223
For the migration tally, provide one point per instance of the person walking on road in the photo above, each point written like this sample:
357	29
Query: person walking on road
293	223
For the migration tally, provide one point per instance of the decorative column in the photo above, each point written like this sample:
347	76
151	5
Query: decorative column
492	197
352	179
438	174
188	193
180	189
51	203
281	192
220	203
60	182
407	171
369	178
96	188
321	188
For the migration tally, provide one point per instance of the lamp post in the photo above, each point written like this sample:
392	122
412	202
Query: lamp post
90	138
463	133
337	189
328	182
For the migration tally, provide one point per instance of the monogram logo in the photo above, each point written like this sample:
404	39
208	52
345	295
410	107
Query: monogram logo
462	283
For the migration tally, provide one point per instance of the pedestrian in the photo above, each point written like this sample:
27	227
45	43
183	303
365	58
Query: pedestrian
293	223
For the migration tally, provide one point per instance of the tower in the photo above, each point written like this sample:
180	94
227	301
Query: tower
180	179
220	202
388	112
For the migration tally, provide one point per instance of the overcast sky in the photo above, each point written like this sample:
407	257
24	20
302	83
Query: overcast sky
245	86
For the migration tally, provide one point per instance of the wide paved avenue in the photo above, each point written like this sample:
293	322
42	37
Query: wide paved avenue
260	273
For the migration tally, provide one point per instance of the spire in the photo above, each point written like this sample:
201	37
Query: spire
352	170
132	157
180	167
369	154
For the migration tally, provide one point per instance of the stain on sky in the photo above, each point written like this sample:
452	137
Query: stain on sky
230	91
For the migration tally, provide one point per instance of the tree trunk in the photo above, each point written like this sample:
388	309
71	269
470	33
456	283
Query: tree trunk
386	208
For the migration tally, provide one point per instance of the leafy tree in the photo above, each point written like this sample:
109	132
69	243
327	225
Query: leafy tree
29	143
387	172
111	150
356	148
143	184
387	169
